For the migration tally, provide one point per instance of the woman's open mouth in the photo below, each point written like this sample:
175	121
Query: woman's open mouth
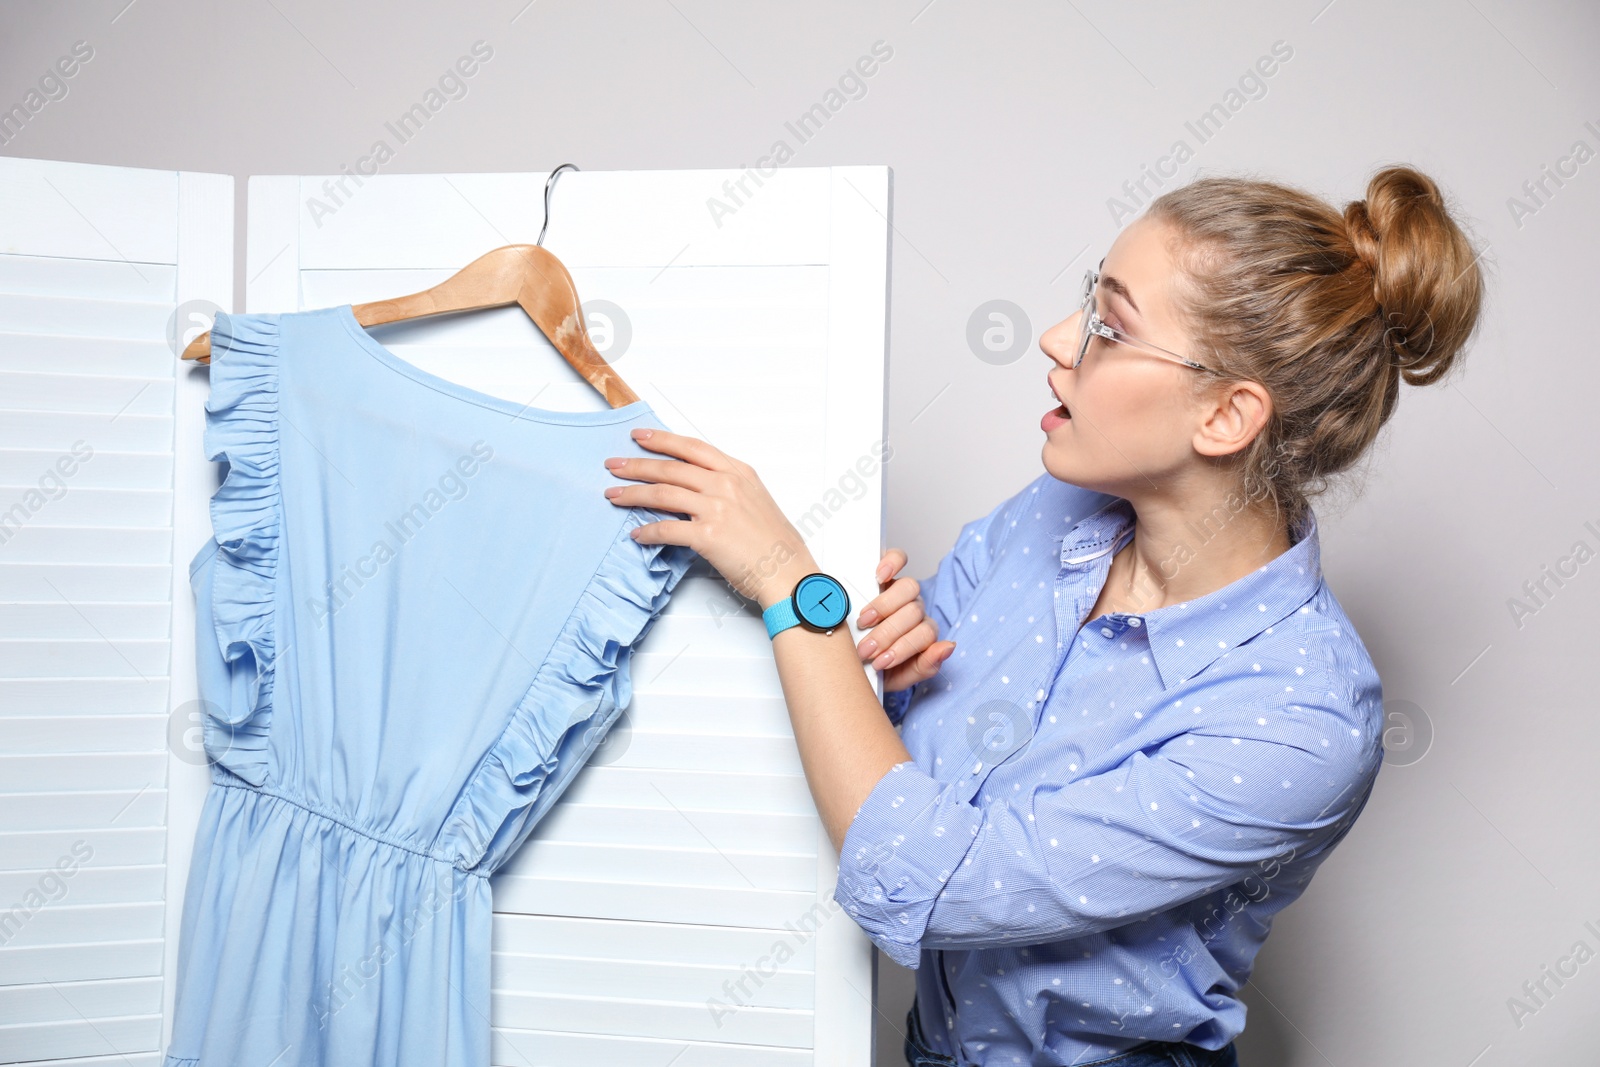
1056	416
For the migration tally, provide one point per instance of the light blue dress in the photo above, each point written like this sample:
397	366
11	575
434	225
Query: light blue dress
414	624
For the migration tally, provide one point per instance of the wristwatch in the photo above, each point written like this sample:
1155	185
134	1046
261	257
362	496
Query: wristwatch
819	603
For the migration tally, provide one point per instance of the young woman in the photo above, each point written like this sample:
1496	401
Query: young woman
1150	720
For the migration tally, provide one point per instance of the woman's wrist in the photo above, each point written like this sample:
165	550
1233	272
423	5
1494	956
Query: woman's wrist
784	578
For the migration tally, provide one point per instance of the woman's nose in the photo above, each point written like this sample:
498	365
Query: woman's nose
1056	341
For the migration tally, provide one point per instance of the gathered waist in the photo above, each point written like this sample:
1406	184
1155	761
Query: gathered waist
314	812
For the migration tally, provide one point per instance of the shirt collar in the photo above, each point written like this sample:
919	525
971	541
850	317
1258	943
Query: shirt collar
1186	638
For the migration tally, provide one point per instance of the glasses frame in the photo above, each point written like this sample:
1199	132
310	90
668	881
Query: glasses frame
1091	325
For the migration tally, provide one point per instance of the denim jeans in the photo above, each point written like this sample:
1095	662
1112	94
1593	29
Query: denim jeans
1149	1054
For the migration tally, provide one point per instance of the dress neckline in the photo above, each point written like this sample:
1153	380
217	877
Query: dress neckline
358	333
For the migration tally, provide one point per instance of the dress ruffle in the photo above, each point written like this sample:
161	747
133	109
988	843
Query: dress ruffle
246	517
585	681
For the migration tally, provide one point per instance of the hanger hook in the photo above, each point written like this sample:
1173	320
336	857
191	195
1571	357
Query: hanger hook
548	182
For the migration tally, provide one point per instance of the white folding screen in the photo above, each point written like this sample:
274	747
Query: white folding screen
93	262
676	905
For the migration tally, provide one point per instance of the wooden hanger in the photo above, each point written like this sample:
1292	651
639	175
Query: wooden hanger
512	274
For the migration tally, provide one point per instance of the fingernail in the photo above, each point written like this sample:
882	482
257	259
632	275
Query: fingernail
614	490
879	574
868	617
868	647
615	463
884	660
641	434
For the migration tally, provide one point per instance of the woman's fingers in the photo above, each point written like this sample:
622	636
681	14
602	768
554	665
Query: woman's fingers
692	449
920	667
895	627
890	565
891	599
917	637
903	641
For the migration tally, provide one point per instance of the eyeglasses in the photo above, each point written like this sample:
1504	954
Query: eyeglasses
1092	327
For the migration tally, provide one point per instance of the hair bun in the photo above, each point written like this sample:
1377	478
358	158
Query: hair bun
1364	236
1425	278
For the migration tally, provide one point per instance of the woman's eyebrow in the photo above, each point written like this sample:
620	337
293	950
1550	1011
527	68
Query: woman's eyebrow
1118	286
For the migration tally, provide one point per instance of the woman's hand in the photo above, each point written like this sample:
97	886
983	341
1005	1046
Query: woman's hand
733	521
904	644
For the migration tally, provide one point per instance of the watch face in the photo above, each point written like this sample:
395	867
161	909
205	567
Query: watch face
820	602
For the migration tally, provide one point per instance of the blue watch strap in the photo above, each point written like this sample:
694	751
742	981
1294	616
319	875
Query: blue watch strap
780	616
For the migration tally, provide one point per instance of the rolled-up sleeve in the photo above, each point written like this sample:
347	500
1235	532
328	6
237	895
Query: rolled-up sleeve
923	866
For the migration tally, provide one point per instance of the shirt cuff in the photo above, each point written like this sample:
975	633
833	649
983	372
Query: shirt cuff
905	840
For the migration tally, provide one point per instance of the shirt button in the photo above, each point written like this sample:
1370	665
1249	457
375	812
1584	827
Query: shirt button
1105	631
976	767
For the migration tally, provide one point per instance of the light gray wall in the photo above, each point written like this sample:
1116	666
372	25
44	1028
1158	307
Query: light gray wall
1473	867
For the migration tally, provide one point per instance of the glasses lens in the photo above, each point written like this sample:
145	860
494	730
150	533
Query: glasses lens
1087	311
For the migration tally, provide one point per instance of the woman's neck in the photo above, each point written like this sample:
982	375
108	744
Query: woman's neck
1176	556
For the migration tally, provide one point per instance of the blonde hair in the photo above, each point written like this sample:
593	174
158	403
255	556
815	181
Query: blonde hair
1328	310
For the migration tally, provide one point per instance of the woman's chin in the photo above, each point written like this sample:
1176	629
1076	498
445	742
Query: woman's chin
1056	461
1062	465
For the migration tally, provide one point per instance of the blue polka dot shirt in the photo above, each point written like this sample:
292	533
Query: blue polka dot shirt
1099	820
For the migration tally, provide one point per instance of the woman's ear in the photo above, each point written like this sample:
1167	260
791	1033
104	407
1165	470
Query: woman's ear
1231	416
